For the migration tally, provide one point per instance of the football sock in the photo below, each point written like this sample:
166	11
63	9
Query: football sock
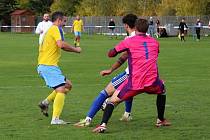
97	103
77	44
51	97
88	118
107	113
58	105
128	105
160	103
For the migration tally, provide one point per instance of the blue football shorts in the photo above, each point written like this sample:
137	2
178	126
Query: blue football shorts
52	75
76	33
119	79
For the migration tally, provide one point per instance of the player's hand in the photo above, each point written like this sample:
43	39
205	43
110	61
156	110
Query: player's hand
105	72
78	49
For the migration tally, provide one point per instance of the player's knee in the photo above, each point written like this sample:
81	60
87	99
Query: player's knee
68	86
110	89
114	100
60	89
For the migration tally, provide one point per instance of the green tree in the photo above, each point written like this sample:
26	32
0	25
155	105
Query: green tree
88	8
6	7
23	4
191	7
66	6
167	8
40	6
207	8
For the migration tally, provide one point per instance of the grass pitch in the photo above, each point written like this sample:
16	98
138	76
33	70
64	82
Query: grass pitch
185	67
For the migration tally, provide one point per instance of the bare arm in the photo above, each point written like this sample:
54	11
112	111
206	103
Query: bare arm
116	65
66	47
112	53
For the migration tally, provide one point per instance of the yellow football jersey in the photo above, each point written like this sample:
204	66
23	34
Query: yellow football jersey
78	24
49	52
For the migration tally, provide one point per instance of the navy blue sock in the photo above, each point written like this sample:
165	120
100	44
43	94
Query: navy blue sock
107	113
128	105
97	103
160	103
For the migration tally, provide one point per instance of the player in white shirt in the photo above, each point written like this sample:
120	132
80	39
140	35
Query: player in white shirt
42	27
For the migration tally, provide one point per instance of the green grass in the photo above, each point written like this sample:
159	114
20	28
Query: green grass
183	65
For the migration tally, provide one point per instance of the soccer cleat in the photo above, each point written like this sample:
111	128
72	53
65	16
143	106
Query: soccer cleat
160	123
83	123
58	122
126	117
44	108
99	129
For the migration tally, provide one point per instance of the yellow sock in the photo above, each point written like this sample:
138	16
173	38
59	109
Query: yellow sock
58	105
77	44
51	97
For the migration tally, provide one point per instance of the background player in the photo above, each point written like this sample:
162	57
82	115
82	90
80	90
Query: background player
43	26
143	74
49	54
129	24
77	28
182	27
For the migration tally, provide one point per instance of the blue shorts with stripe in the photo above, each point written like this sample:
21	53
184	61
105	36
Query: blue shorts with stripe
119	79
52	75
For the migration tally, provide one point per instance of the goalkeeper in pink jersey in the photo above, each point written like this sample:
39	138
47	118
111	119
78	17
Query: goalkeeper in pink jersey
143	77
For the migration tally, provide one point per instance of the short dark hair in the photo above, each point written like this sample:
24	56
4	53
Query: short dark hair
142	25
130	20
57	15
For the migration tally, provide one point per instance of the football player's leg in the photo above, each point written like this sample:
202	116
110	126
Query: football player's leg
68	86
59	101
114	100
107	92
158	88
99	100
127	114
43	105
96	105
61	85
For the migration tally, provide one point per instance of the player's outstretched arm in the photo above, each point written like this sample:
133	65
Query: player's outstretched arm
116	65
112	53
66	47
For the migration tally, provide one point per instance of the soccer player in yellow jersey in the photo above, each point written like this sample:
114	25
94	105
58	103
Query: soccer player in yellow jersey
48	69
77	28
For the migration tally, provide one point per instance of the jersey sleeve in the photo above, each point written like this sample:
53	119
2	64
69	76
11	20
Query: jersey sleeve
122	46
74	23
57	34
38	28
